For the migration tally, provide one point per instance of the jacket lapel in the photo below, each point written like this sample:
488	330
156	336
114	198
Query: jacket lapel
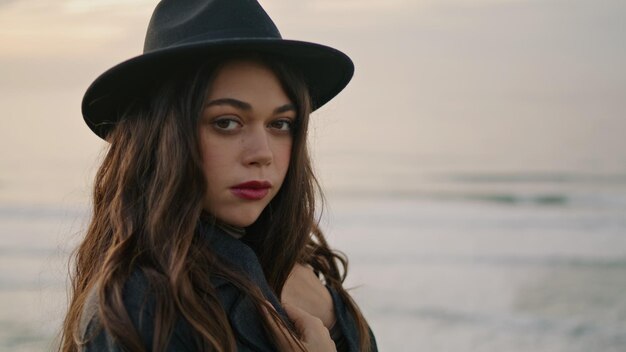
242	313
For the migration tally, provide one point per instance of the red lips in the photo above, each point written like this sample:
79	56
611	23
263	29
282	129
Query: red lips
251	190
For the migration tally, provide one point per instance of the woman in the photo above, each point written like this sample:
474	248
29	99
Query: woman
203	236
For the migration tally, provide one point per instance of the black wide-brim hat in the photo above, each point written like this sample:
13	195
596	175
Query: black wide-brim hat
187	32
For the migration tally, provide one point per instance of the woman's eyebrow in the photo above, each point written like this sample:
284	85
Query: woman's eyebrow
246	106
285	108
230	101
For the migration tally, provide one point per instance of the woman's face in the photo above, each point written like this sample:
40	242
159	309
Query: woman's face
245	136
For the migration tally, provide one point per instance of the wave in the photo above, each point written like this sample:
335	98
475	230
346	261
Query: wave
555	199
30	211
498	261
32	252
535	177
573	328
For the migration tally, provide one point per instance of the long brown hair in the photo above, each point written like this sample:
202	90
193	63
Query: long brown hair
147	203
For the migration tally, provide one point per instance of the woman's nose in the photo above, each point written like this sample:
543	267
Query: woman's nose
257	147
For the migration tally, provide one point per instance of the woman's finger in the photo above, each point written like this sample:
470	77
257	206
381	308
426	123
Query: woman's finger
286	342
315	335
304	289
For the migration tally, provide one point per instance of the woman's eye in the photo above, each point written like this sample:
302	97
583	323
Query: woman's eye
281	125
226	124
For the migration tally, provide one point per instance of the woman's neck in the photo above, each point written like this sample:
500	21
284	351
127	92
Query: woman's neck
236	232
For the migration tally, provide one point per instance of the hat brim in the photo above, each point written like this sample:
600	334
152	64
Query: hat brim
326	71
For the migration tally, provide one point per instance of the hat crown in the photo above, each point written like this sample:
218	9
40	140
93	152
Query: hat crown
176	22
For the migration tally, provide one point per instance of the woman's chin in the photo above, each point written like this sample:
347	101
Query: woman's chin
240	219
242	223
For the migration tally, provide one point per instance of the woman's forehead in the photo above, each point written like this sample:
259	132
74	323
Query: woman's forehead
247	79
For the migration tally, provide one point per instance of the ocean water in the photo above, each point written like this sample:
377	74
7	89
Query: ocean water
442	257
460	254
487	277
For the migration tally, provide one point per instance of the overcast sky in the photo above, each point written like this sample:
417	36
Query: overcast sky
513	79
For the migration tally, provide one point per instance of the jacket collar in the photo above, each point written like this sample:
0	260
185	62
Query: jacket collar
240	309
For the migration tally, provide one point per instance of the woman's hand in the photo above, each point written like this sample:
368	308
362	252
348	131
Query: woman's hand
304	290
315	336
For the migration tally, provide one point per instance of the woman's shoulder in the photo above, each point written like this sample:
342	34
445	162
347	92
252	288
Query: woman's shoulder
138	297
140	291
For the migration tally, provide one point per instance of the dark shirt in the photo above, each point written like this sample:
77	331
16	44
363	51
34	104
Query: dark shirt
243	316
